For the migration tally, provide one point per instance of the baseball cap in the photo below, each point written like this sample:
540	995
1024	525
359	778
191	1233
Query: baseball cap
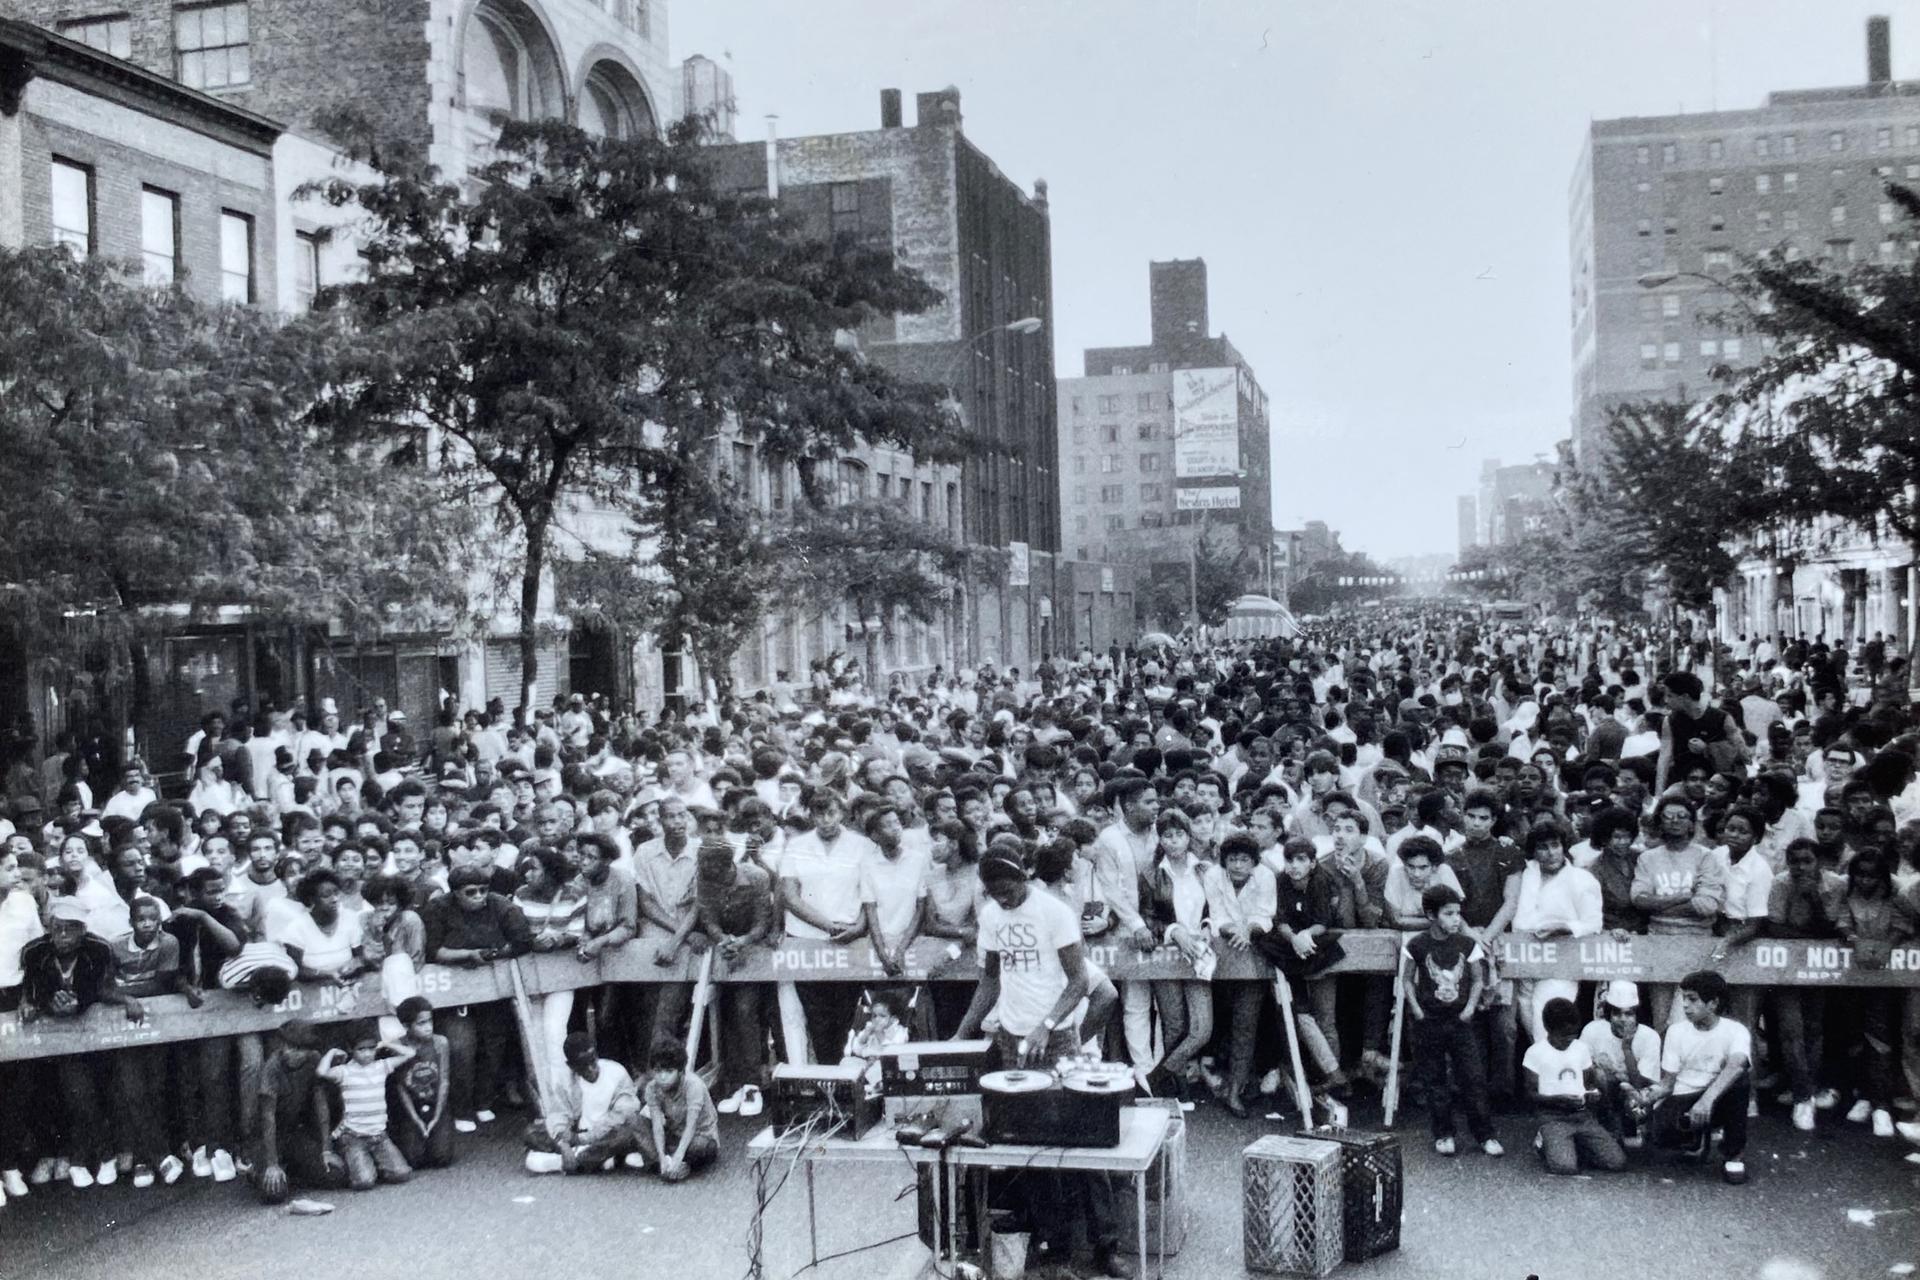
67	908
1622	994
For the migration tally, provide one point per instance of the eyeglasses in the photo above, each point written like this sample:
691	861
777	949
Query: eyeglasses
474	891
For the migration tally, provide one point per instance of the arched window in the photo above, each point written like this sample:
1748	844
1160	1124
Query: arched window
508	65
613	105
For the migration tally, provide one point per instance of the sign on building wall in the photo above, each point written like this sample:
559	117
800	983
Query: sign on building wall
1106	579
1206	423
1215	498
1019	565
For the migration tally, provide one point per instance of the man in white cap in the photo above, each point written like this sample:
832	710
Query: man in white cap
1626	1053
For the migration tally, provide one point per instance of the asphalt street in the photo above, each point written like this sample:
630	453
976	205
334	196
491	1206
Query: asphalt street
485	1219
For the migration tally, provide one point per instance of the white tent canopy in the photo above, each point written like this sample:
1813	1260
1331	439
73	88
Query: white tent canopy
1255	617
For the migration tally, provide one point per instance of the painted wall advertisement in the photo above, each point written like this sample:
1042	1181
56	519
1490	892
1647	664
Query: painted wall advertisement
1206	423
1019	565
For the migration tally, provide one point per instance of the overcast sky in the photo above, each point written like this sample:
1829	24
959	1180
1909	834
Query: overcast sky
1379	190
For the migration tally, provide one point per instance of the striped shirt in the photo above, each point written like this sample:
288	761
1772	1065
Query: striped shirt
363	1094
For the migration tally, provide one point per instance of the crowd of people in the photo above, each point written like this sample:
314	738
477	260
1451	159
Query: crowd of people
1412	769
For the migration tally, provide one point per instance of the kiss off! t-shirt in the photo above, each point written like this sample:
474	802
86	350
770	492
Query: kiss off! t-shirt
1028	941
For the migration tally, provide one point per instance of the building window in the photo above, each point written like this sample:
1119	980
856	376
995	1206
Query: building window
1144	431
1110	434
1913	135
1730	348
1837	140
1718	222
1763	219
1149	493
1109	463
1645	226
1649	355
1080	495
845	197
634	13
306	268
1082	523
1081	435
159	236
1670	305
1671	225
1649	307
1144	402
210	46
1886	213
1151	519
1790	144
1837	175
1672	353
1716	150
1669	153
1837	215
1643	186
882	487
236	257
1842	250
1763	183
1113	492
1716	186
1889	250
1079	406
1080	464
1790	220
1116	523
1709	348
1157	366
1109	404
1641	155
1718	260
73	206
1149	462
1913	171
1761	146
109	33
1790	181
1883	137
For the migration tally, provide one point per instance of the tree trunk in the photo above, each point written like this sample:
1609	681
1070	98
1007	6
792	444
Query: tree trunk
530	574
716	664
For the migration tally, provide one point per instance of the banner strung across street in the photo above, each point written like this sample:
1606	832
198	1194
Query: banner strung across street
1602	958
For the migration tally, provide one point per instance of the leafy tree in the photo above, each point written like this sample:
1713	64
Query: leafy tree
1670	502
167	471
591	329
1210	579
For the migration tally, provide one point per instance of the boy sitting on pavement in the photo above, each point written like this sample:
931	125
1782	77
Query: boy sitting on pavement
591	1114
1564	1087
1704	1082
681	1134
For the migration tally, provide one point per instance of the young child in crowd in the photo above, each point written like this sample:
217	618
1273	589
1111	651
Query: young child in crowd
681	1133
361	1137
1564	1087
884	1028
1447	979
419	1122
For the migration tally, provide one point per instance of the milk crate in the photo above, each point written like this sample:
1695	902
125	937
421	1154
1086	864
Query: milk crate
1290	1206
1370	1175
1173	1156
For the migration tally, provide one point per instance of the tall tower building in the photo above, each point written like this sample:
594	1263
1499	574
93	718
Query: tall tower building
1662	208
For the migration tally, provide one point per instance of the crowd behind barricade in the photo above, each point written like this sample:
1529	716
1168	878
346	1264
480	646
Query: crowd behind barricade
1411	770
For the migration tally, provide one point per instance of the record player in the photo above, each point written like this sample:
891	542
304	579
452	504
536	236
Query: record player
1037	1108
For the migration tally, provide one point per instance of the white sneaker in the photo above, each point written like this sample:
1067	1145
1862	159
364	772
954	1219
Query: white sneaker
1827	1099
77	1174
1492	1147
543	1162
142	1176
1803	1116
1445	1146
1859	1111
634	1160
464	1126
171	1169
42	1172
223	1166
1753	1108
730	1105
1908	1129
751	1103
484	1116
15	1185
1633	1142
106	1175
1270	1082
202	1166
1883	1124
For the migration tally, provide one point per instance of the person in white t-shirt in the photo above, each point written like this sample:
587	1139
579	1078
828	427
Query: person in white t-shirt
1033	974
1564	1086
1704	1078
1626	1052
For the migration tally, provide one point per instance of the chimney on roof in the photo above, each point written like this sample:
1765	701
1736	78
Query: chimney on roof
940	108
1879	51
890	109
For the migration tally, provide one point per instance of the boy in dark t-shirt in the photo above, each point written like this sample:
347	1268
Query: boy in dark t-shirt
1447	980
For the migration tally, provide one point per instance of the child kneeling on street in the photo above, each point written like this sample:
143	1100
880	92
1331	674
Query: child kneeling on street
361	1137
1565	1088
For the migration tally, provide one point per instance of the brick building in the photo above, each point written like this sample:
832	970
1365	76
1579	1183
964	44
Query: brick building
1512	500
1165	443
1662	209
939	203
